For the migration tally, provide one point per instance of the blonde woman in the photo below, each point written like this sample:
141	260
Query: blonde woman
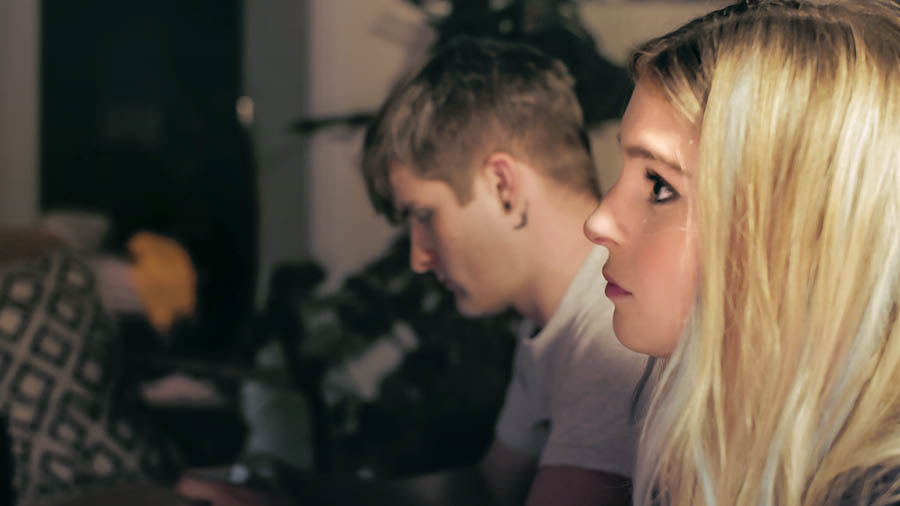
754	240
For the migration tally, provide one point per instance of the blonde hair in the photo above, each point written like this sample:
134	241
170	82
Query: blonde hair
785	387
477	96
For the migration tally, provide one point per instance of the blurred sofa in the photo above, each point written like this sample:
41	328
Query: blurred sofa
69	425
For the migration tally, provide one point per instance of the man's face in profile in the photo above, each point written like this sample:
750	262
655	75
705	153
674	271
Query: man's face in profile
463	245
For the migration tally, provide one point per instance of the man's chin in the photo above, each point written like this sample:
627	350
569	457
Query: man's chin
466	309
470	309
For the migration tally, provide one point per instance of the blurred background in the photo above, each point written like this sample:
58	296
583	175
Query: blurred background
192	166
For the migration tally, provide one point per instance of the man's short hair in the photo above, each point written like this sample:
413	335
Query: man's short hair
473	98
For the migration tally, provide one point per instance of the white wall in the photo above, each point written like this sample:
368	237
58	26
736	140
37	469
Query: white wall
275	69
356	51
316	58
19	96
619	27
352	67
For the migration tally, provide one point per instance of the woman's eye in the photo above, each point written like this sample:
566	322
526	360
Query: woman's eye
662	190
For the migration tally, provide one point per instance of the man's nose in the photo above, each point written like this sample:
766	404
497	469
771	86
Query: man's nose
421	252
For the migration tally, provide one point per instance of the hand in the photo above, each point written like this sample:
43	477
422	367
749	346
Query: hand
132	495
210	487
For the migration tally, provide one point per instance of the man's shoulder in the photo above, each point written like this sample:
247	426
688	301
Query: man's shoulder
585	307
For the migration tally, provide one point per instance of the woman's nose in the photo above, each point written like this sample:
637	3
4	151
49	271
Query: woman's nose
602	226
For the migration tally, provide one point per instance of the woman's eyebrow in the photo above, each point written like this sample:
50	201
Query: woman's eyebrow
637	151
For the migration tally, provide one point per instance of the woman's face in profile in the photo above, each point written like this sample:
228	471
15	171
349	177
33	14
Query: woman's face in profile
645	221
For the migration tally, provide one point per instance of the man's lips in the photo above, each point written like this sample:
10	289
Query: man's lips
449	285
613	289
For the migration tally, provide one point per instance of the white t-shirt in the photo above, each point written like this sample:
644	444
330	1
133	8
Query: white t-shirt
569	399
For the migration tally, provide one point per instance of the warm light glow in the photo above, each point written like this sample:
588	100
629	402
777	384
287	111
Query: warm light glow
245	110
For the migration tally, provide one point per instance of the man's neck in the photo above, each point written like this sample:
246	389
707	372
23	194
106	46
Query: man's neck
558	250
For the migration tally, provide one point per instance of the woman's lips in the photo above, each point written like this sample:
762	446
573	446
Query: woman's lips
612	289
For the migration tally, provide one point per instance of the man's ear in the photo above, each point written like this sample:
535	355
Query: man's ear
503	173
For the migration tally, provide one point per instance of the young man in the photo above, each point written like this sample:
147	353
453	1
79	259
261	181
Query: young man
483	155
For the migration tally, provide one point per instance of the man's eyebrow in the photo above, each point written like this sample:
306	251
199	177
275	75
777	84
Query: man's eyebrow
635	151
401	213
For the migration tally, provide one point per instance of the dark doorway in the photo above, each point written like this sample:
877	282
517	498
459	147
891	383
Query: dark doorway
138	122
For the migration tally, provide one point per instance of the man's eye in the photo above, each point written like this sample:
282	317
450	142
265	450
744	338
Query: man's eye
662	191
422	217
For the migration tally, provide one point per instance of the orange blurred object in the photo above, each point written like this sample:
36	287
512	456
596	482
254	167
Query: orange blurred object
164	277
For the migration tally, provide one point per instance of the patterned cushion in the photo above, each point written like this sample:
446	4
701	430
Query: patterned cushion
56	384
